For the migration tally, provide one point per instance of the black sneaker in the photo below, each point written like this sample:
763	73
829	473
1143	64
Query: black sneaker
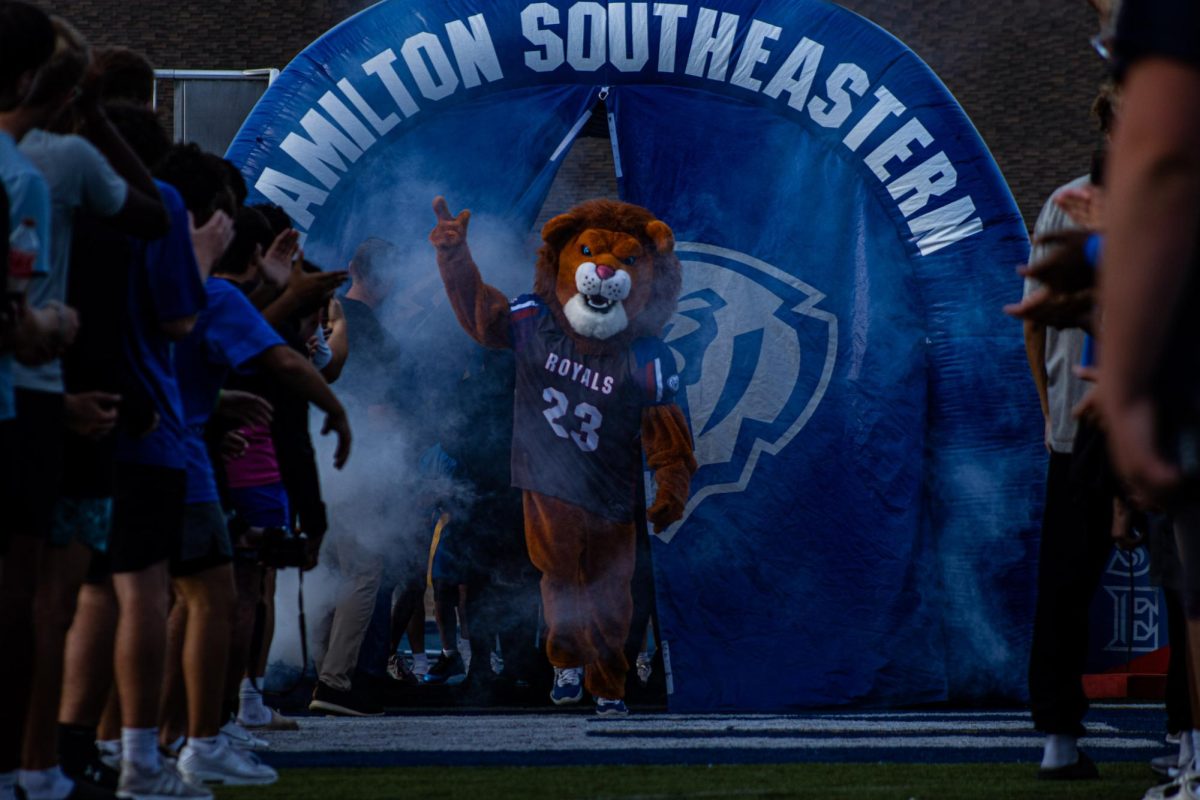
447	667
95	773
345	704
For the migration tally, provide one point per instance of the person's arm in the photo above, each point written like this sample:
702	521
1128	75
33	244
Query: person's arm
482	310
1153	212
1035	353
304	289
143	213
301	378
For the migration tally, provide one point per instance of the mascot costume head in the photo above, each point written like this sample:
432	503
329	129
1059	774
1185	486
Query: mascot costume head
595	391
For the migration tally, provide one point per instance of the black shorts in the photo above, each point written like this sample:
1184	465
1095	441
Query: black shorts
99	569
147	523
31	476
205	541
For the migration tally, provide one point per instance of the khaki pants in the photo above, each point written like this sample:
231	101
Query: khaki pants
340	632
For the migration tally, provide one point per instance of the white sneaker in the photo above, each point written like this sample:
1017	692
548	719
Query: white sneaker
241	738
1185	787
138	783
224	765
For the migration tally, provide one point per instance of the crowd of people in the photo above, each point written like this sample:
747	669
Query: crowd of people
161	343
1109	314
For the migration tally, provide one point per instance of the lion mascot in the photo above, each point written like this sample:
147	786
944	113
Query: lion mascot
595	387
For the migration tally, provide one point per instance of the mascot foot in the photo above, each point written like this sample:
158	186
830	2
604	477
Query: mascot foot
611	708
568	685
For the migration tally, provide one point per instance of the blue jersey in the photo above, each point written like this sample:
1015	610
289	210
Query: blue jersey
577	416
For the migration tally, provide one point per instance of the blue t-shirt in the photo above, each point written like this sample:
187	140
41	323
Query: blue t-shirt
28	198
164	285
228	335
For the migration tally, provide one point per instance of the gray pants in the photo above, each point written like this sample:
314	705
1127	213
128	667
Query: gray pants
340	631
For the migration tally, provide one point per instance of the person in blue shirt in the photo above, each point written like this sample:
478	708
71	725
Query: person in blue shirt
229	335
164	296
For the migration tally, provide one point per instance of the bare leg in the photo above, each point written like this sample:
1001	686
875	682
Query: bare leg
172	703
248	579
268	596
61	574
141	642
109	729
18	579
88	659
209	597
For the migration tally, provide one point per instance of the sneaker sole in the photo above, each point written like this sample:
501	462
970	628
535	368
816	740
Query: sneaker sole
133	796
277	722
341	711
600	713
566	701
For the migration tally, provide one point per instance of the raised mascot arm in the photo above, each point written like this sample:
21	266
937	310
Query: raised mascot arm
482	310
668	445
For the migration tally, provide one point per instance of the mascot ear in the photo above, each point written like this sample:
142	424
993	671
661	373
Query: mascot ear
661	235
558	231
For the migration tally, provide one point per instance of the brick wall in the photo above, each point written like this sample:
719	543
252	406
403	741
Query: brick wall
1022	69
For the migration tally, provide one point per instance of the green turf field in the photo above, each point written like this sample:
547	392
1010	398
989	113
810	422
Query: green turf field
898	781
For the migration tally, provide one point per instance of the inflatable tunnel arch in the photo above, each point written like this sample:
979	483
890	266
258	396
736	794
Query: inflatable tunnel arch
864	522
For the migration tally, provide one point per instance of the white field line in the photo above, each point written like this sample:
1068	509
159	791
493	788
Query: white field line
580	734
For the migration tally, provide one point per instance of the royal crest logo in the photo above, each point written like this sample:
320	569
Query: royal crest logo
756	356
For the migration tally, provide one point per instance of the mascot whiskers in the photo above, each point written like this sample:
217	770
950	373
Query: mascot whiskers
595	387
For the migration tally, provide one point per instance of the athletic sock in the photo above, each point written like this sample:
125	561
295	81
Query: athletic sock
109	748
140	746
76	747
173	747
1187	749
1061	751
420	663
45	784
251	710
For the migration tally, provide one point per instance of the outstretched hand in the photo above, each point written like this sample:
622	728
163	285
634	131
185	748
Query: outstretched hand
1065	267
450	231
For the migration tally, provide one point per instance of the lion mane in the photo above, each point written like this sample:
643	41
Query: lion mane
612	215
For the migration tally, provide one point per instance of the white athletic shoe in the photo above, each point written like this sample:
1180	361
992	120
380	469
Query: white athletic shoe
1185	787
137	783
241	738
224	766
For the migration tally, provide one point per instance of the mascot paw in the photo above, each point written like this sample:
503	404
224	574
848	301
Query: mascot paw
664	512
450	231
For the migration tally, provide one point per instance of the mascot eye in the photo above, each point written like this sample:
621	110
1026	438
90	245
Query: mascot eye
587	251
630	260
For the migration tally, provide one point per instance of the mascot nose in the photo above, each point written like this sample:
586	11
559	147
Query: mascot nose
604	272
